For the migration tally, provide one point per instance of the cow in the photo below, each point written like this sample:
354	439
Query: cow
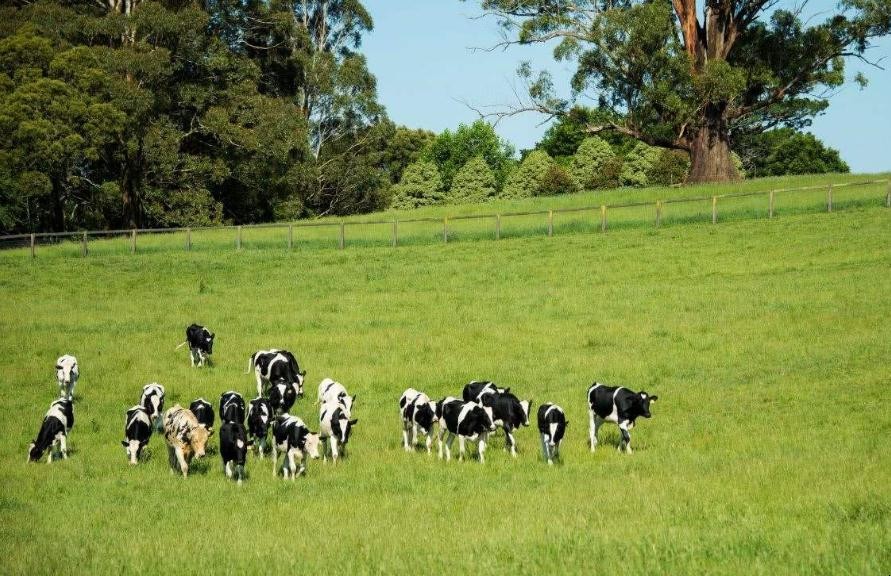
67	375
417	412
329	390
233	448
618	405
293	439
186	438
203	411
335	427
282	396
467	421
152	400
508	412
552	425
137	431
200	341
57	423
232	407
274	365
474	391
259	419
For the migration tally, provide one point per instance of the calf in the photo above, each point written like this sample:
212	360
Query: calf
152	400
185	438
474	391
467	421
618	405
67	375
137	431
200	341
203	411
259	418
417	412
282	396
335	427
274	366
232	407
293	439
233	448
508	412
53	434
552	425
329	390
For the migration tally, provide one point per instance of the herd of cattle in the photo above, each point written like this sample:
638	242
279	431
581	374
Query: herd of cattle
481	410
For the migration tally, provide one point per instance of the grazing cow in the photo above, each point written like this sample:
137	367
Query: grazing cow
618	405
259	418
53	434
417	412
282	396
203	411
185	438
292	438
152	400
329	390
508	412
233	448
137	431
274	366
335	427
232	407
67	375
474	391
200	341
467	421
552	424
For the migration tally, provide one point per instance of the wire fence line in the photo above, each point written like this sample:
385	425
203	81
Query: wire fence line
36	239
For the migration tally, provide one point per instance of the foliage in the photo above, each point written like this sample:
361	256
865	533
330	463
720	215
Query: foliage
785	151
557	181
421	185
527	179
594	163
638	164
670	167
474	182
452	150
404	147
563	138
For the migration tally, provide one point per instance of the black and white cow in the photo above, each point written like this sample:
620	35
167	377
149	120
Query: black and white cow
467	421
152	400
185	438
552	424
292	438
137	431
203	411
509	412
259	419
67	375
335	427
233	448
282	396
200	341
232	407
474	391
418	412
272	366
618	405
333	391
53	434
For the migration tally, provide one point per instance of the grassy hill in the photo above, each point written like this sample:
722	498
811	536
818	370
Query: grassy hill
766	341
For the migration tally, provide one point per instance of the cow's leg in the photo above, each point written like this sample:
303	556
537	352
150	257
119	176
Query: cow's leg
192	356
626	437
171	459
183	465
462	446
259	383
428	442
63	446
545	450
441	432
405	445
292	466
227	469
481	447
592	430
448	446
414	435
511	441
334	451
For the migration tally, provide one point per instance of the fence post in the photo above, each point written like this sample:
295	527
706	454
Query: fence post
133	241
188	239
84	245
829	199
658	213
445	229
714	209
238	239
342	242
888	196
395	232
550	222
33	249
770	210
603	218
290	236
498	223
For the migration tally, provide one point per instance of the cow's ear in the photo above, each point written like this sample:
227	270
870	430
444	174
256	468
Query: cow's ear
354	421
653	398
124	443
566	423
58	367
506	390
303	373
210	431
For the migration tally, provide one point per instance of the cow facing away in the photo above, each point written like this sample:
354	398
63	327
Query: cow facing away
259	419
233	448
292	438
203	411
477	389
510	413
232	407
67	374
53	434
272	366
185	437
137	432
200	341
467	421
552	425
152	400
333	391
282	396
619	406
418	413
335	427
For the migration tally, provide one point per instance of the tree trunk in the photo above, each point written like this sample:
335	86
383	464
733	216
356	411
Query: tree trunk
129	198
710	159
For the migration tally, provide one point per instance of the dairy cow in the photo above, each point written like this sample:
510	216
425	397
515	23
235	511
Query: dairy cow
508	412
200	341
67	374
418	413
282	396
293	439
259	419
467	421
335	427
233	449
185	437
57	423
552	425
152	400
333	391
477	389
272	366
619	406
232	407
203	411
137	432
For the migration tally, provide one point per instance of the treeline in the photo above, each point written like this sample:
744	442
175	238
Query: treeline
138	113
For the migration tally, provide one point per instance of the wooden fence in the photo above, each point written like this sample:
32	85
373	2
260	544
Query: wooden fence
32	241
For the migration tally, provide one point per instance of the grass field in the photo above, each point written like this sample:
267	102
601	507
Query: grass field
768	343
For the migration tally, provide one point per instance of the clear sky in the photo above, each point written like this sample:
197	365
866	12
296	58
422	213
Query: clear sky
420	51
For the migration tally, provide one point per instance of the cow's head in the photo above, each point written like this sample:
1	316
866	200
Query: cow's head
66	369
526	405
197	438
34	452
133	448
311	445
208	340
344	425
425	416
347	402
488	420
644	401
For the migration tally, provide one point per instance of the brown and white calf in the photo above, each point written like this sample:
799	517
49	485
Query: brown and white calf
186	438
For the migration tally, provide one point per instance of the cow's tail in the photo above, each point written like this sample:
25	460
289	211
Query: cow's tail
250	364
181	345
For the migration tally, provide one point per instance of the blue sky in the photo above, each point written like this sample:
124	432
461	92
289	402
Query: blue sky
420	51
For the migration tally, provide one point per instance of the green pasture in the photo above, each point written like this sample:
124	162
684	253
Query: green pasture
767	341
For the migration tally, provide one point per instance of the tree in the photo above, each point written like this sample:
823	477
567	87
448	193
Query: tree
557	181
785	151
671	167
590	163
421	185
563	138
526	181
404	147
452	150
677	81
638	164
474	182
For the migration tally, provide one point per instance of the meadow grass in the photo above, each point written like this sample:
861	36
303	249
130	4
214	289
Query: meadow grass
766	341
